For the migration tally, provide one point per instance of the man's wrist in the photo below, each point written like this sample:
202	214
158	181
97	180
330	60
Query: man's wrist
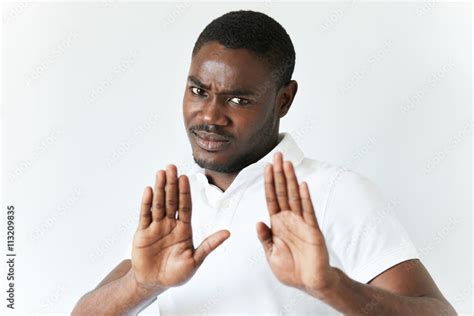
133	296
330	290
141	290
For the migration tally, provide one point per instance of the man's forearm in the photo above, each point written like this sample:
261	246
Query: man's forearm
354	298
117	297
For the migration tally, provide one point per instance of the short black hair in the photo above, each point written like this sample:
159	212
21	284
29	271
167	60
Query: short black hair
256	32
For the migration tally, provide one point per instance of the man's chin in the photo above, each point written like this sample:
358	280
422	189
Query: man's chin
214	165
210	165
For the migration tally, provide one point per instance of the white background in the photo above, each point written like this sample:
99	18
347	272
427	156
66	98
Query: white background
91	109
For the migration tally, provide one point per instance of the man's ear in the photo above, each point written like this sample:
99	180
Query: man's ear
285	97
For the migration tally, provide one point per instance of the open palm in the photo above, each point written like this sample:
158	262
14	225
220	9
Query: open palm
294	245
163	254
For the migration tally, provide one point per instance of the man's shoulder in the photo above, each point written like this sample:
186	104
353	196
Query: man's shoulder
312	169
332	175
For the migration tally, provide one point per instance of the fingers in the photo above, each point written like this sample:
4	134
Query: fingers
165	199
280	181
265	236
292	188
309	215
281	187
209	244
171	191
145	214
158	209
185	201
270	195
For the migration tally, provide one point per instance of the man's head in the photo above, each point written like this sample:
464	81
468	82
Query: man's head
239	86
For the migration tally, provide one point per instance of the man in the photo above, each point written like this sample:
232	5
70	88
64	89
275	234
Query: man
281	233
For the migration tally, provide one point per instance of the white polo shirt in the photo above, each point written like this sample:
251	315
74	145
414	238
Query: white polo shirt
363	237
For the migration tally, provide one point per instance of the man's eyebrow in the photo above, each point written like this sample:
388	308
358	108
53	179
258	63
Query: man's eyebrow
198	83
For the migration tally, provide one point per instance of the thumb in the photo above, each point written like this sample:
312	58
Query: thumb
265	236
209	244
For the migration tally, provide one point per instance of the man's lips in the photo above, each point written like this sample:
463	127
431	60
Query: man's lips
210	141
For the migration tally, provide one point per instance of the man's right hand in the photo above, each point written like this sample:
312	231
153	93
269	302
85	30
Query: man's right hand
163	254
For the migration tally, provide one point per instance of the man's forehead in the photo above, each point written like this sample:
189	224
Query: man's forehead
227	66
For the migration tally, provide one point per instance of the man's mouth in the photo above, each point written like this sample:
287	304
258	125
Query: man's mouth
210	141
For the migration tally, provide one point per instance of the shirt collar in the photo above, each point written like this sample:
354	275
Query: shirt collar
286	145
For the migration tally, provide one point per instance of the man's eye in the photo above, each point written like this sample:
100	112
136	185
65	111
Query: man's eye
239	101
197	91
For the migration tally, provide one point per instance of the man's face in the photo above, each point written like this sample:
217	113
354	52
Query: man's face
229	108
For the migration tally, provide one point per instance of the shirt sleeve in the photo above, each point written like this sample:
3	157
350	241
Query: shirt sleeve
362	230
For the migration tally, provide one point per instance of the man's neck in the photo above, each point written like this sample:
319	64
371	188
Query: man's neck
221	180
224	180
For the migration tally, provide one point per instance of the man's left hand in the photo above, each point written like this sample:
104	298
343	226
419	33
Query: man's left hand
294	245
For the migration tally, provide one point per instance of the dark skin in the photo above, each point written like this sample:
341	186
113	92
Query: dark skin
229	92
163	254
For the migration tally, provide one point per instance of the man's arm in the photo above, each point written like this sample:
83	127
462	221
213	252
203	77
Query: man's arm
117	294
296	251
163	252
405	289
119	271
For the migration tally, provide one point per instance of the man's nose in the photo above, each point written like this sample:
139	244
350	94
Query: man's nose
214	112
